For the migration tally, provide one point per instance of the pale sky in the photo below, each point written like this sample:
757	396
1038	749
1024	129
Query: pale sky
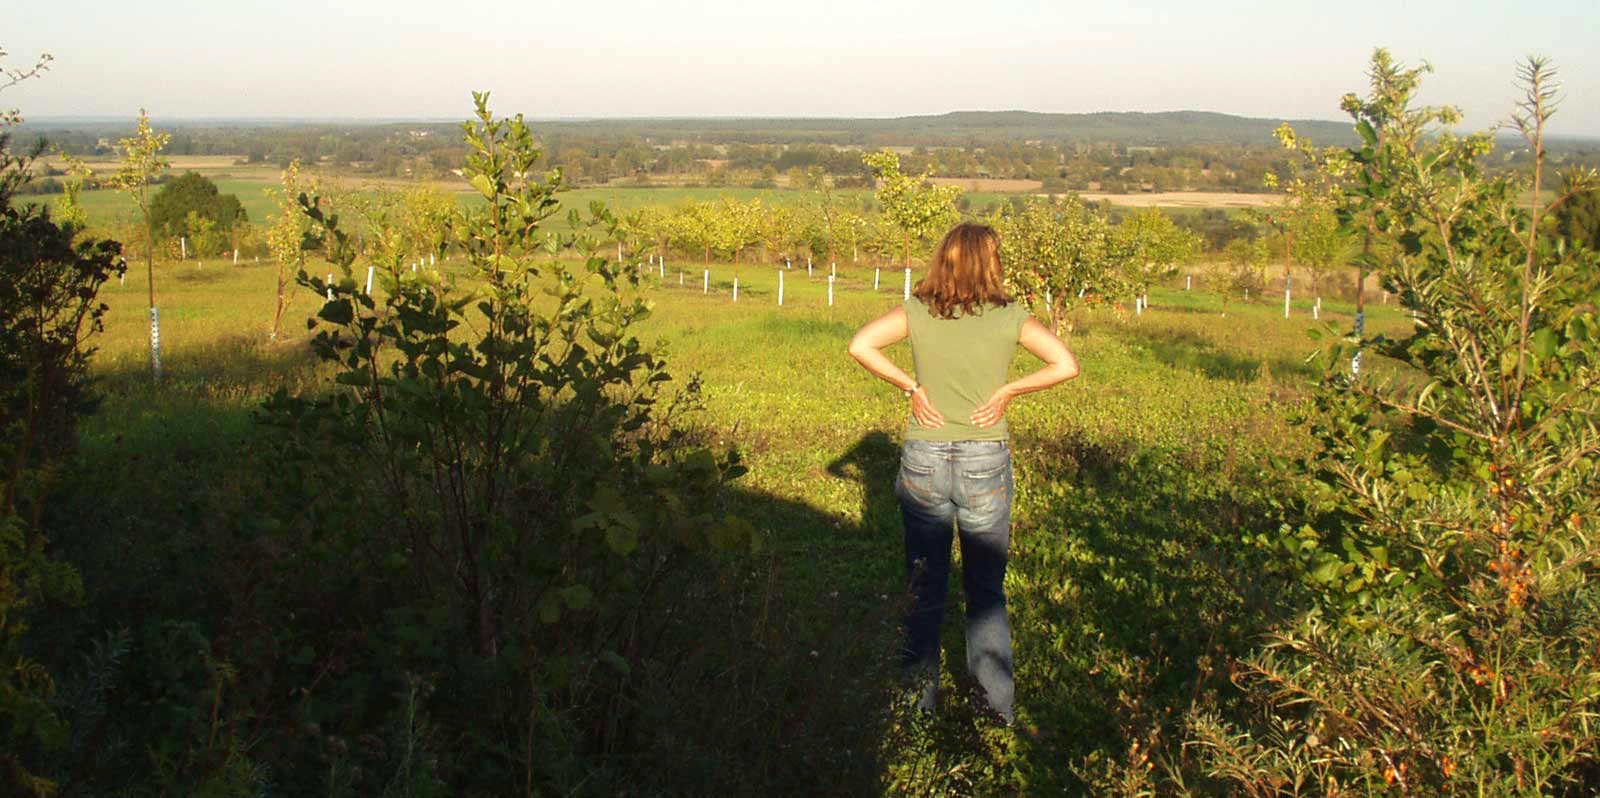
369	59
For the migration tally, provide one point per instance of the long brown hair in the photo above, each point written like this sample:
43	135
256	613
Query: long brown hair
965	273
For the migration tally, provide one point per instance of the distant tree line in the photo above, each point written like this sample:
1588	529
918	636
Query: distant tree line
761	154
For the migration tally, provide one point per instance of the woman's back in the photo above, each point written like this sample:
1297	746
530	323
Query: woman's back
961	362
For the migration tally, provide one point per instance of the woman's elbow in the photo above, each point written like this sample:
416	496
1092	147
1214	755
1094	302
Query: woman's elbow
858	349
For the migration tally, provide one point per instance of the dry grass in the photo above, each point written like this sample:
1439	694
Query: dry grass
1184	199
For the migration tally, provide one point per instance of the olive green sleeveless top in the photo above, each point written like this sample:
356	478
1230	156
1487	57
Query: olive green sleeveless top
961	362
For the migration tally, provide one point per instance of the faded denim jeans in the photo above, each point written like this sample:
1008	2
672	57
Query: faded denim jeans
966	486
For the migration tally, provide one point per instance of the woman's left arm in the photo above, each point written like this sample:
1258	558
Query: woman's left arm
866	347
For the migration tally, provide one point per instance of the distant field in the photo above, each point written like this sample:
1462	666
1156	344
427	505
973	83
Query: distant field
988	184
1185	199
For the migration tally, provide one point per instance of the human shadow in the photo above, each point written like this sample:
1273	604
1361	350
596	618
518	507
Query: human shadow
872	462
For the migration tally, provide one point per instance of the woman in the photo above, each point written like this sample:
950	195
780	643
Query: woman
955	466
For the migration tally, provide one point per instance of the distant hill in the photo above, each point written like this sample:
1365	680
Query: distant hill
1167	128
959	128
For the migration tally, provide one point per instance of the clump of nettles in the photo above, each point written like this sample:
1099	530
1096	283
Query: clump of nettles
1450	535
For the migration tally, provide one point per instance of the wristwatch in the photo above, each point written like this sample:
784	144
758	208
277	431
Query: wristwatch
915	386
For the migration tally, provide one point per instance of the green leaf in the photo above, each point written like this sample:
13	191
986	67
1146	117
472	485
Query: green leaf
549	608
621	539
483	185
1327	571
576	597
616	661
337	311
1545	343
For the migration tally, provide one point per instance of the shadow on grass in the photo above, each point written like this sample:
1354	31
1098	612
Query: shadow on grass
1186	350
1129	592
779	680
1133	593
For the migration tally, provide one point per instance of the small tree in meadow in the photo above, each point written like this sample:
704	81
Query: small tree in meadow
1152	246
141	165
1057	255
69	207
918	208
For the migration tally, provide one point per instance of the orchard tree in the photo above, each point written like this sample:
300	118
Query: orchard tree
69	207
427	213
827	212
849	227
1058	255
1308	219
918	208
697	224
1321	243
776	231
1246	258
735	226
655	225
287	238
142	164
1152	246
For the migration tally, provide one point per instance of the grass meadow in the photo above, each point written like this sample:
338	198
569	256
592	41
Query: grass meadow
1136	483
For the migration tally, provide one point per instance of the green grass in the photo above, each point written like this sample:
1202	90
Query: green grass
1134	484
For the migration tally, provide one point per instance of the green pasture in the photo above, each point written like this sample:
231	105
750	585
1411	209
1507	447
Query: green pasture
1135	484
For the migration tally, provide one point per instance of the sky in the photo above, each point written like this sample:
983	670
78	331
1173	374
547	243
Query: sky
360	59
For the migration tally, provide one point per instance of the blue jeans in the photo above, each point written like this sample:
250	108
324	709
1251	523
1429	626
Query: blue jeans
965	486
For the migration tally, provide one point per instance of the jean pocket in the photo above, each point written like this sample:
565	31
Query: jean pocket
917	482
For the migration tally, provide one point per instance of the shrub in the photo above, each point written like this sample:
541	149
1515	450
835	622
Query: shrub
48	310
519	493
1450	537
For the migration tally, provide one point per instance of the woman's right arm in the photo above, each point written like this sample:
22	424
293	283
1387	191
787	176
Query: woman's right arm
1059	366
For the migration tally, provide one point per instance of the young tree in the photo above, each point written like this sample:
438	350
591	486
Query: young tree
1058	255
1247	258
1308	220
1152	246
287	238
69	207
142	163
697	225
1449	540
918	208
735	226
